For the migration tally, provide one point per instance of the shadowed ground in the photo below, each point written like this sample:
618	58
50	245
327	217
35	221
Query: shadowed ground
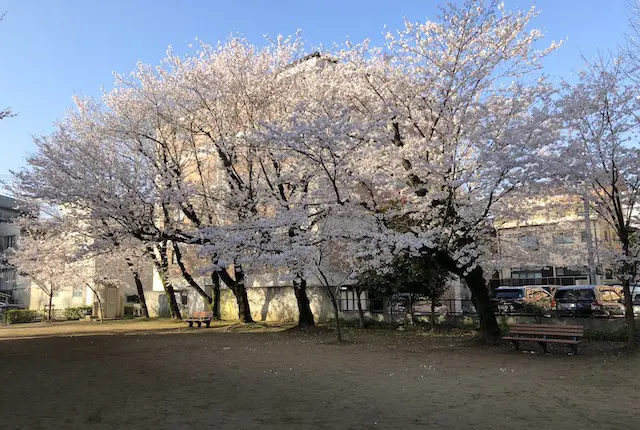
380	379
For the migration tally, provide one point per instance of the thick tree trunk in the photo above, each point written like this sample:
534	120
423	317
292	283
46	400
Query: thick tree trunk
336	308
240	292
628	315
215	307
187	276
162	266
480	297
360	311
139	288
489	328
305	316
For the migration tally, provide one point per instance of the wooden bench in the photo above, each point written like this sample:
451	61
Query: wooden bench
545	334
199	318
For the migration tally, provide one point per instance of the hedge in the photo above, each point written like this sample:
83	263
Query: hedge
16	316
77	312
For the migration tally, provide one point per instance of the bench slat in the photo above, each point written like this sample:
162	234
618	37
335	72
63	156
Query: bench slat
547	326
548	332
539	339
544	330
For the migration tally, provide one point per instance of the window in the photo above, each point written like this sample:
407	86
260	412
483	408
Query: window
524	274
184	297
133	298
575	294
529	242
349	300
610	296
606	236
376	303
538	295
77	292
507	293
7	242
562	239
563	271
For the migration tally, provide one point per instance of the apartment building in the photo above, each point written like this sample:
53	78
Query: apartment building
558	245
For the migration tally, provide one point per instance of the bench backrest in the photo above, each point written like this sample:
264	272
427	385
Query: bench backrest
558	330
203	314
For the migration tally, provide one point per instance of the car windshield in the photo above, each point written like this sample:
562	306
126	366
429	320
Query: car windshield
580	294
513	293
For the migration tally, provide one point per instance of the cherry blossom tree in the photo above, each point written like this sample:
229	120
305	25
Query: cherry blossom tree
41	257
85	165
432	132
602	113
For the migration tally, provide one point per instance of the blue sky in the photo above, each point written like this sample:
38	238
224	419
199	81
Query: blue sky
52	49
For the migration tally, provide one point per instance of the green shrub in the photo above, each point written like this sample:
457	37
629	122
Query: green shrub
618	335
128	311
77	312
16	316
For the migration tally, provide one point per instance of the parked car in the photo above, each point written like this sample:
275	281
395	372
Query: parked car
507	300
589	300
4	307
421	305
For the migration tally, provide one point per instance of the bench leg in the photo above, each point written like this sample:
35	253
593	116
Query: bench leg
544	346
208	323
199	324
190	323
516	344
574	348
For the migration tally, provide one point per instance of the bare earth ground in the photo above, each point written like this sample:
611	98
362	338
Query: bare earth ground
157	375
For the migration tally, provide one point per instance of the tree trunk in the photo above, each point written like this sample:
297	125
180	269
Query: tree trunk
480	297
162	266
50	302
336	308
139	288
240	292
187	276
338	329
305	316
628	316
489	328
409	312
433	313
360	311
100	310
215	307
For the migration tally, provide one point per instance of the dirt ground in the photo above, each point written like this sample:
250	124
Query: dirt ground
159	375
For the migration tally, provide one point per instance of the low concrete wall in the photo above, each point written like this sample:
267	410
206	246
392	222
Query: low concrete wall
158	305
276	304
